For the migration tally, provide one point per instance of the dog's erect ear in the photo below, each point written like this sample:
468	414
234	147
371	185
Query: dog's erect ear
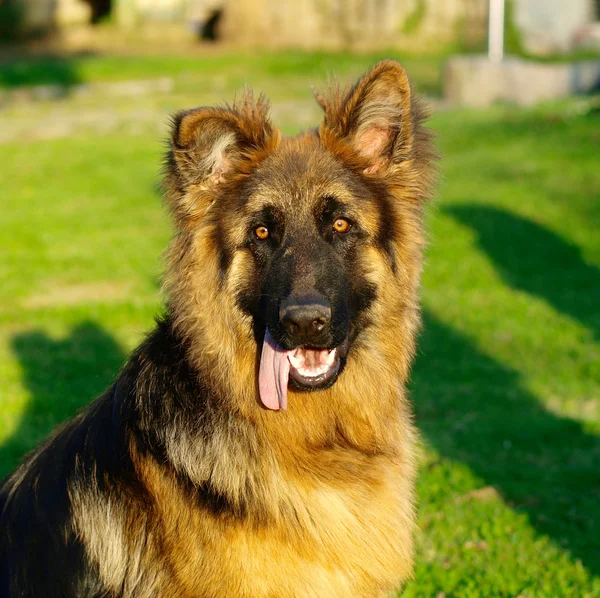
374	116
207	144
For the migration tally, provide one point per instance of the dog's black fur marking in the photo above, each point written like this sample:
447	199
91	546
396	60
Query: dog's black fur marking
37	530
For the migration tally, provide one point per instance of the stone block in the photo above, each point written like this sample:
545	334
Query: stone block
587	37
475	81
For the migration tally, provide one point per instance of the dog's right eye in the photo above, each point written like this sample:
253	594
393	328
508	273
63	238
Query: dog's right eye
261	233
341	225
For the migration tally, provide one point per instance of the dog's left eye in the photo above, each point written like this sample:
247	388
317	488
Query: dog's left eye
261	232
341	225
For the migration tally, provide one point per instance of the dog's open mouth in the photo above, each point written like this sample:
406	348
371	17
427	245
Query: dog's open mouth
308	368
312	368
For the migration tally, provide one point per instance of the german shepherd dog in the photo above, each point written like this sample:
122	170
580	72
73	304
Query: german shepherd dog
259	442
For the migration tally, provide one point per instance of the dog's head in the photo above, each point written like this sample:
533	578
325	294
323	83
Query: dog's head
312	240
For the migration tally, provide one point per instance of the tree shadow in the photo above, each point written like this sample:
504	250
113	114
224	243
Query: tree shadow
61	376
533	259
475	410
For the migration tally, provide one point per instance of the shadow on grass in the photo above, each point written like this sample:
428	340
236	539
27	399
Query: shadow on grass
61	376
535	260
26	70
473	409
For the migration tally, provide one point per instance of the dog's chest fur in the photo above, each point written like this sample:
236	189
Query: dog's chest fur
316	539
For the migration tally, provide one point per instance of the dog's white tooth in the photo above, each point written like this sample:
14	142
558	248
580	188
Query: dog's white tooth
296	359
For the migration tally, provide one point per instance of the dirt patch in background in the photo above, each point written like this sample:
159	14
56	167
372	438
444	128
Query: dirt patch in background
79	294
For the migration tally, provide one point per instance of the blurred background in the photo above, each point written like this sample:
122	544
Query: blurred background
506	385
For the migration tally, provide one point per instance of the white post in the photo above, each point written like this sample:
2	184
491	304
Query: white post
496	31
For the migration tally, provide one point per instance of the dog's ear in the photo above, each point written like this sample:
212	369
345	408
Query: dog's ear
209	144
373	117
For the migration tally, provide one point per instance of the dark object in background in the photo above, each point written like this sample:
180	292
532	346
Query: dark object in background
100	10
210	28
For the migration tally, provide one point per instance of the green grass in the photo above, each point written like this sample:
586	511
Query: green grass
506	385
85	68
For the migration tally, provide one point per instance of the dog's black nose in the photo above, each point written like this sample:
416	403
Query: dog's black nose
305	317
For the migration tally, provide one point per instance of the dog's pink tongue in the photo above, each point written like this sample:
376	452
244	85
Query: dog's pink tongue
273	374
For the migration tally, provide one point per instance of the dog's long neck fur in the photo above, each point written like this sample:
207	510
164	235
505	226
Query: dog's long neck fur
322	441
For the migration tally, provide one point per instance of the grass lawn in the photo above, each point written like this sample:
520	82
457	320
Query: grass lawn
239	68
506	386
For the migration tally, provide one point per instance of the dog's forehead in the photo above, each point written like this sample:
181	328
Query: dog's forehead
298	174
